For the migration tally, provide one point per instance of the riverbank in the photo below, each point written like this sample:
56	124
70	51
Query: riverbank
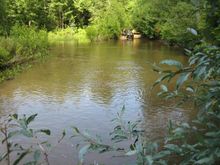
27	44
23	46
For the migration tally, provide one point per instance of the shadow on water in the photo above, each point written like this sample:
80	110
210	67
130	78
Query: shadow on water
86	85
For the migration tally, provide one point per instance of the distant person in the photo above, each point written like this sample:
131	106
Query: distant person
129	35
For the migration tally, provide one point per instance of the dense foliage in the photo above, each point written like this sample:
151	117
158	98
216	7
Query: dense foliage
24	44
169	20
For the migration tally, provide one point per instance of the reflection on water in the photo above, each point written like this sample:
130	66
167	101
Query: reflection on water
85	85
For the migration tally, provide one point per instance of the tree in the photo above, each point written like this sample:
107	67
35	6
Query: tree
3	18
212	30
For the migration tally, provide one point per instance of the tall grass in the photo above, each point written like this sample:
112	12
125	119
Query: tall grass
23	44
29	41
69	34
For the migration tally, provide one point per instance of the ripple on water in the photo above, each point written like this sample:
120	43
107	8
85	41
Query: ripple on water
86	86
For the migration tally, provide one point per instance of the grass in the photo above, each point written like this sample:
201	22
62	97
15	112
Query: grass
69	34
25	44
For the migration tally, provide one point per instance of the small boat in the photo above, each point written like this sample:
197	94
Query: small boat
126	35
130	35
136	35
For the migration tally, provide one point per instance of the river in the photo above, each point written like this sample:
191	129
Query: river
86	85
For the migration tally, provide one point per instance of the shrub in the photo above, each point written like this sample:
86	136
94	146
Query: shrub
29	40
168	20
69	34
145	17
8	44
92	32
4	56
7	50
81	36
61	35
110	22
180	17
24	44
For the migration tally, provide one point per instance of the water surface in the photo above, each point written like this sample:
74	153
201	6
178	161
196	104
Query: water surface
86	85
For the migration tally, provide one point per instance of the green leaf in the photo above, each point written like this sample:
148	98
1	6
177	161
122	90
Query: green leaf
37	154
20	157
3	156
170	62
63	135
27	133
83	151
185	125
164	88
161	154
76	130
130	153
183	77
23	123
188	52
132	147
122	111
206	160
166	76
15	116
31	163
13	133
149	160
190	89
48	145
213	134
45	131
31	118
173	147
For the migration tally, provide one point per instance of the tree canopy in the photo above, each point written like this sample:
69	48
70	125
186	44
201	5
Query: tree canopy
166	19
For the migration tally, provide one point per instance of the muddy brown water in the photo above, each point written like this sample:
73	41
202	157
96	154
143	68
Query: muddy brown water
85	86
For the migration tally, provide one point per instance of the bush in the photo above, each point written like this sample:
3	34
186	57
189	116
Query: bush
111	21
145	17
4	56
168	20
61	34
92	32
179	18
69	34
81	36
29	40
24	44
198	82
7	50
8	44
